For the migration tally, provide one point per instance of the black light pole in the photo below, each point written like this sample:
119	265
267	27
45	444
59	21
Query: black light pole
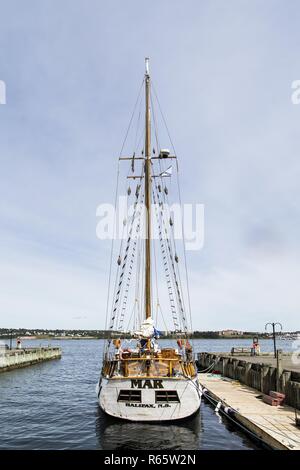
273	325
10	340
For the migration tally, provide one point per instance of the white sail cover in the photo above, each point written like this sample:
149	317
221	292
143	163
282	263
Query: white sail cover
146	330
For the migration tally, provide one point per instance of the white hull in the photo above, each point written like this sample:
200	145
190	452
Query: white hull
167	399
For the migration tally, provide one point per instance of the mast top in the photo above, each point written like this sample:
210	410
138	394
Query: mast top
147	66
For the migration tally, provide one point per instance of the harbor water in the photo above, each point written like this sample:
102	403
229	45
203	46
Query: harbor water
53	405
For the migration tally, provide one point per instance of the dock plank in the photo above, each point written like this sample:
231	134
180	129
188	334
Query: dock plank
274	425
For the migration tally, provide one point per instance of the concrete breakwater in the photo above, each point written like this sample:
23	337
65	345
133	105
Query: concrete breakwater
16	358
258	373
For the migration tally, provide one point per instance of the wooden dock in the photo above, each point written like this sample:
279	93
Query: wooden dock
275	426
262	372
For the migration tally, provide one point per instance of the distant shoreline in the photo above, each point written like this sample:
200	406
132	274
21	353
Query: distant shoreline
61	338
34	338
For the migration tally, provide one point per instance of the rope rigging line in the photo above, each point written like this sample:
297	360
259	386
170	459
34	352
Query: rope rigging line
115	306
138	193
160	229
166	268
132	116
128	194
132	313
111	251
136	141
164	250
136	307
156	284
166	200
120	252
115	205
180	202
177	287
125	298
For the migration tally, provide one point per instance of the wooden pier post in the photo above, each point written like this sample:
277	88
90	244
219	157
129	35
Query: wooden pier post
248	367
224	364
263	373
278	370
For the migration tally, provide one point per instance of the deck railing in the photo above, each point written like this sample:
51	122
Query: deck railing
148	367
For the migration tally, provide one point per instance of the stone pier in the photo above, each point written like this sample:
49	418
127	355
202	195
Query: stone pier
16	358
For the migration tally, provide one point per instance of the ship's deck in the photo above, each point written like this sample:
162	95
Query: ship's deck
162	364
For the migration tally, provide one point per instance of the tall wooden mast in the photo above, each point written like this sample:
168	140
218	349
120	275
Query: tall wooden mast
148	193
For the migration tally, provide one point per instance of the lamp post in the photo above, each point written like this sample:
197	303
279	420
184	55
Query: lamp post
273	325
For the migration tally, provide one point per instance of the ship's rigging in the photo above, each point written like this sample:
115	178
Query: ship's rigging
142	258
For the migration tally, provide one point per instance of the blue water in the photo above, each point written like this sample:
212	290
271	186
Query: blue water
53	405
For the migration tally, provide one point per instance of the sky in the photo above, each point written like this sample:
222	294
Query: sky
223	72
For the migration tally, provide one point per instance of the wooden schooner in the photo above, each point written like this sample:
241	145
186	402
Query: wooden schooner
148	382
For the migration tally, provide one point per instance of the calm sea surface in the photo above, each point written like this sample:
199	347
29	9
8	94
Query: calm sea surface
54	406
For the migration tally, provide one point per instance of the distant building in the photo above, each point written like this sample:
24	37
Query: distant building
231	333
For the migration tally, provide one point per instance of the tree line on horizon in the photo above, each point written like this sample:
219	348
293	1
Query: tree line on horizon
104	334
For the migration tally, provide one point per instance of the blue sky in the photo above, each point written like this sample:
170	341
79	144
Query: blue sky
223	71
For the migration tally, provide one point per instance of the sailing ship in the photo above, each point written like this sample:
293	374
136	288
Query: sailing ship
141	380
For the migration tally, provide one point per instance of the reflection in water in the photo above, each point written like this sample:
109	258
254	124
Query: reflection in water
205	431
114	434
